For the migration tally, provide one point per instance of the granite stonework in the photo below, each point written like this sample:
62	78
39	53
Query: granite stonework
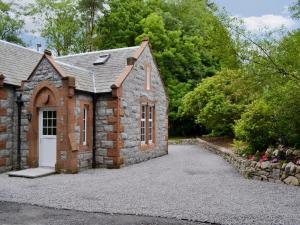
102	128
44	72
8	120
134	92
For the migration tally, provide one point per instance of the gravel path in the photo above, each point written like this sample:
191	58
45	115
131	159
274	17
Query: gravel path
189	183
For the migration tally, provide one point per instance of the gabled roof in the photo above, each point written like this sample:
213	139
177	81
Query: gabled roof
17	63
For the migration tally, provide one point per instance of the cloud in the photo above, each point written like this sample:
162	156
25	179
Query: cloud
271	22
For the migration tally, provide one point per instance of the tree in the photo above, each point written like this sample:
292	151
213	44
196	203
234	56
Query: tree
62	27
10	27
120	24
295	10
215	103
90	12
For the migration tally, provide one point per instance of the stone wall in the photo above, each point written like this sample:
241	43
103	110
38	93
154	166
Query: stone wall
103	144
187	141
287	173
133	91
85	152
8	128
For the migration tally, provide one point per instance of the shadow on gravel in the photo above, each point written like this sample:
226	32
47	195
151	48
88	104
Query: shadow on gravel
25	214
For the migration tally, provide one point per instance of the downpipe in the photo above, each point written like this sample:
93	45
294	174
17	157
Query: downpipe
20	103
94	130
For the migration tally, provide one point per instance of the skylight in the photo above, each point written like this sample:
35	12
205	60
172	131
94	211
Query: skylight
102	59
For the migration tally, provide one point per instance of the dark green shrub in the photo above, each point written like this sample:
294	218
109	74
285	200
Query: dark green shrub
256	126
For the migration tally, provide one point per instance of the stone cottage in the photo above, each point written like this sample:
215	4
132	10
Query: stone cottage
97	109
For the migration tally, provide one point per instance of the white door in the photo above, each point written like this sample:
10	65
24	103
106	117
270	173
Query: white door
47	137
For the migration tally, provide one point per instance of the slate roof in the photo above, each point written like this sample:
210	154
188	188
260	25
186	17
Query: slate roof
106	74
17	63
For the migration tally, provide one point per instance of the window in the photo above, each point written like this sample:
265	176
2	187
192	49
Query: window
84	128
147	124
148	76
143	124
150	124
49	122
102	59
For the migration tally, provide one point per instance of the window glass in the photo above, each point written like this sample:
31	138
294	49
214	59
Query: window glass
49	122
84	127
150	123
148	77
143	125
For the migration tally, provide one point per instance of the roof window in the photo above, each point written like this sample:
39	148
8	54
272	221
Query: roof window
102	59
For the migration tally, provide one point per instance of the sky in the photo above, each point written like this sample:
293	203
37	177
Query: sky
258	14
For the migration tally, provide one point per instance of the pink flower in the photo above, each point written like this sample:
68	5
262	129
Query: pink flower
264	158
298	162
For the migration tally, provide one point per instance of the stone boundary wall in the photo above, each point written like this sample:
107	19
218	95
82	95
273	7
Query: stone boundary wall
187	141
287	173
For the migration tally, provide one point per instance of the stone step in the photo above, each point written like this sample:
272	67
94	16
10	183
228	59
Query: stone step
33	172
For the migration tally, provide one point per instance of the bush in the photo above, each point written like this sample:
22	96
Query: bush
272	120
256	127
213	104
241	148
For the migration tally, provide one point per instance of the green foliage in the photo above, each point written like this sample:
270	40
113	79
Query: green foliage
256	126
273	119
214	103
285	102
241	148
295	9
90	13
62	27
120	24
10	26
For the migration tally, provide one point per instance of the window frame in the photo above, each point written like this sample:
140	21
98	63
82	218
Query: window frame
49	129
148	137
148	70
84	125
143	124
150	123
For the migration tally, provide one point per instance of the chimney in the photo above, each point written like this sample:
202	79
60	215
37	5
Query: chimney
38	46
131	61
48	52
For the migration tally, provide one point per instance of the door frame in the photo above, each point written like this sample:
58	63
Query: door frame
40	131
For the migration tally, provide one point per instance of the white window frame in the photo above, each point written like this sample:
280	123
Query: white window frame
84	128
143	124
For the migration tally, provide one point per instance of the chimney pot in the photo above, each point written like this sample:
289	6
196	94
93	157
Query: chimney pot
131	61
48	52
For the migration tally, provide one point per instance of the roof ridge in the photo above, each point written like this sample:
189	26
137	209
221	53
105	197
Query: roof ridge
22	47
94	52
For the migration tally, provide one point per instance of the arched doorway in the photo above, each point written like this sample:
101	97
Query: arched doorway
43	127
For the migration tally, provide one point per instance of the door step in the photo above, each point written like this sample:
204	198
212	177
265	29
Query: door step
33	172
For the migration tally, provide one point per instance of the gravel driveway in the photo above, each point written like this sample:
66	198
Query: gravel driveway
189	183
